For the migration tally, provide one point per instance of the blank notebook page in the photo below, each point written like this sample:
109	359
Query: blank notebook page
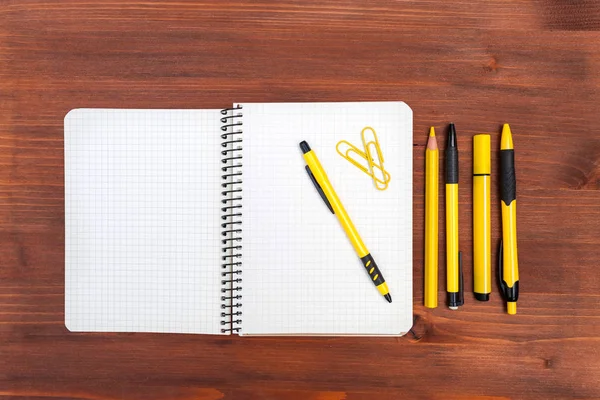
142	200
301	275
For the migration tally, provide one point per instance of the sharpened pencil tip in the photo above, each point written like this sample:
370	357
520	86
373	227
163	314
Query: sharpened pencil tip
432	141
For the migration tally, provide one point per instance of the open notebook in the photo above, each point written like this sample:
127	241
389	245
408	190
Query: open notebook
205	221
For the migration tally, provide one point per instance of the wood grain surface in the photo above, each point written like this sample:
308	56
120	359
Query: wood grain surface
534	64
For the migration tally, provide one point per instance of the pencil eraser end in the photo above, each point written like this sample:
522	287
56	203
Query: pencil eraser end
511	308
453	308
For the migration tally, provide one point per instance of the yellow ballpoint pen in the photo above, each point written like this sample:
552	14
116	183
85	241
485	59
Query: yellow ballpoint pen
508	268
321	181
431	220
454	279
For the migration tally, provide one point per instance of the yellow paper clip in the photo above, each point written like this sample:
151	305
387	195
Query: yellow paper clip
369	161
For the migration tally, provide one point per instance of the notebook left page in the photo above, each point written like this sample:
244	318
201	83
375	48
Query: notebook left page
142	221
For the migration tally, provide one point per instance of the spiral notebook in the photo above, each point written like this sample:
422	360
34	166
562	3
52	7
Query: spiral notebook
205	221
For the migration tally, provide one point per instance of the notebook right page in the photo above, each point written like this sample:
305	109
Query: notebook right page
301	275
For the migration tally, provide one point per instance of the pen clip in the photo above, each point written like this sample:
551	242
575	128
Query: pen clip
461	293
503	286
319	189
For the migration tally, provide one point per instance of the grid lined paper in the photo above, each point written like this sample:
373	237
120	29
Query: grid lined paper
142	201
301	274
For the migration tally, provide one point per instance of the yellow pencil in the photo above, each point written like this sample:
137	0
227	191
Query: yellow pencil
431	220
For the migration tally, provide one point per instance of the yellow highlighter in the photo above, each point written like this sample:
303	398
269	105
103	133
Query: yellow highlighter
454	276
508	268
321	181
482	232
431	220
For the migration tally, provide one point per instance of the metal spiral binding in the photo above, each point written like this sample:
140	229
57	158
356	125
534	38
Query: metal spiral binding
231	267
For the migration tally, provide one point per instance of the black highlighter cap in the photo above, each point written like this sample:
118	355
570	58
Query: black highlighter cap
304	147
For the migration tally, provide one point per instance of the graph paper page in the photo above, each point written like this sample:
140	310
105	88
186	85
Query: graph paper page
301	274
142	200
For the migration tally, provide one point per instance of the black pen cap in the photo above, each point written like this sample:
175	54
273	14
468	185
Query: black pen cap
451	156
451	137
304	147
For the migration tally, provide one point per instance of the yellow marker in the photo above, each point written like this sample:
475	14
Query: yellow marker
431	220
482	232
321	181
454	285
508	268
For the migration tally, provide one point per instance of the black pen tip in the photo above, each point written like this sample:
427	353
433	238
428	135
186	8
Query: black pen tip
304	147
451	136
388	298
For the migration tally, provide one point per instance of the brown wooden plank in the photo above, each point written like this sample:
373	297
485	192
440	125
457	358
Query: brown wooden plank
478	64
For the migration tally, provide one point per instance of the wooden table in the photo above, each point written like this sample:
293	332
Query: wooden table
534	64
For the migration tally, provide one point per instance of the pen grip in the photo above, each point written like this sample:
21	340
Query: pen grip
372	269
451	165
510	293
508	180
